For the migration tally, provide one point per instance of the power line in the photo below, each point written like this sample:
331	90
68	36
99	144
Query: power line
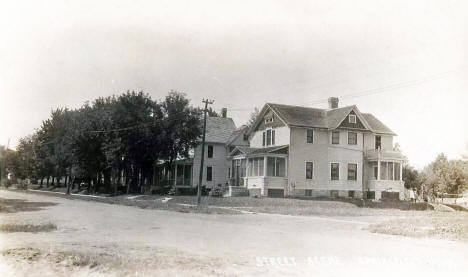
390	87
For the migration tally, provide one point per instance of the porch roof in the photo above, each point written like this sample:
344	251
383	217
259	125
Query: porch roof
249	151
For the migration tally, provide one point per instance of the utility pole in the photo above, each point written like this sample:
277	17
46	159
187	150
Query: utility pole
200	179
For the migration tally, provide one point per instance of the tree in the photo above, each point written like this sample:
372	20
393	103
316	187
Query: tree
435	175
181	126
411	178
444	176
212	113
109	138
457	181
253	117
12	165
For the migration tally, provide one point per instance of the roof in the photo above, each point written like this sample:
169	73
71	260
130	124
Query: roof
301	116
377	125
324	118
255	151
241	130
219	129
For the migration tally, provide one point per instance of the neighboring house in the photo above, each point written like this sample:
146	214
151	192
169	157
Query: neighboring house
297	151
221	138
301	151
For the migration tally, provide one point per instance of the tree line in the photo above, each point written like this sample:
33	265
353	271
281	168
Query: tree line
111	143
442	177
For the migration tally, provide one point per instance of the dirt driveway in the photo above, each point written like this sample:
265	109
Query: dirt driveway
129	241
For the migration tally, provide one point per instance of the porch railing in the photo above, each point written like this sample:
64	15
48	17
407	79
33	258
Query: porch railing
383	154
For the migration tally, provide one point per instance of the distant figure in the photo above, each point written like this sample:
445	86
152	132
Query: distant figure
411	195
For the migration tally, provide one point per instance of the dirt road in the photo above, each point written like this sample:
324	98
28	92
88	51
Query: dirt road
153	242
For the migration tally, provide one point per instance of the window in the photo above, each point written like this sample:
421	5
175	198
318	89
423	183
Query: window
383	171
352	118
378	142
336	137
397	172
370	195
352	138
308	192
276	167
310	136
209	173
335	171
246	137
376	171
268	137
352	172
255	167
309	170
351	193
280	166
210	151
390	171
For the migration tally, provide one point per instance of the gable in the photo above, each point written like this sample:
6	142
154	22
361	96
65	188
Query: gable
274	123
236	152
346	124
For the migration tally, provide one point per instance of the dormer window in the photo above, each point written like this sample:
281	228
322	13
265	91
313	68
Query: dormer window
268	119
352	119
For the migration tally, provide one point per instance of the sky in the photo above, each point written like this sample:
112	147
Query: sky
405	62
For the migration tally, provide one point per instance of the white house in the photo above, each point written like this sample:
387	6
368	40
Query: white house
300	151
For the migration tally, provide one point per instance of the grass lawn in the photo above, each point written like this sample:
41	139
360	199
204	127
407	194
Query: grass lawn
443	225
30	228
229	205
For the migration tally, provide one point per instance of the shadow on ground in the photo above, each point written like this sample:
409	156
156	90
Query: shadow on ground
21	205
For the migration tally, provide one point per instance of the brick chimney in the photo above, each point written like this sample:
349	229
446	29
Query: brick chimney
333	102
224	112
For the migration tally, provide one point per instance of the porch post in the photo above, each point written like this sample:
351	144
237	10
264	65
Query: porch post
286	167
393	172
401	171
378	170
265	166
247	167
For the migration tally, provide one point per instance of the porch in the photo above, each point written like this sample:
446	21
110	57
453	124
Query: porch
177	174
386	173
260	170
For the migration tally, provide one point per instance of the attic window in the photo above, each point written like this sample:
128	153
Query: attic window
268	119
352	118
